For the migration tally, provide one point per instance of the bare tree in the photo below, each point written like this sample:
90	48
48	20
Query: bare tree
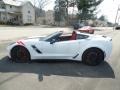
43	3
39	6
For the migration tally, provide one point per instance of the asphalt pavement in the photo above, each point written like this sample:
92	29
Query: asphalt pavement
58	75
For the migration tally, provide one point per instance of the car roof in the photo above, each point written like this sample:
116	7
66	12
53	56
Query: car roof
78	32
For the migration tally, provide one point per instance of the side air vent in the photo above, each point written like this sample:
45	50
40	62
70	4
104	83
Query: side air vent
36	49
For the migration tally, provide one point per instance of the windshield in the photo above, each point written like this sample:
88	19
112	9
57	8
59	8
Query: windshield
52	35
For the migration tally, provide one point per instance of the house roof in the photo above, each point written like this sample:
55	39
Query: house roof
12	2
15	2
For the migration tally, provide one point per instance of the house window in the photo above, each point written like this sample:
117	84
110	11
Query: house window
3	6
28	11
10	6
3	18
16	17
20	17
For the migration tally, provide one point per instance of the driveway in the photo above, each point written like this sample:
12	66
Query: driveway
64	75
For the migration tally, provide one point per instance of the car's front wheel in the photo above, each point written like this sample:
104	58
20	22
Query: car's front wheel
20	54
93	56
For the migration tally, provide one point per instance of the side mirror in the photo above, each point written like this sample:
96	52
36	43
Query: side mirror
52	41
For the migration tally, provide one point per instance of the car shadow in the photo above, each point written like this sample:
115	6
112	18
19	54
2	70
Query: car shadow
63	68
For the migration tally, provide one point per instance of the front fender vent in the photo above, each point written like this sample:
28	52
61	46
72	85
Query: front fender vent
36	49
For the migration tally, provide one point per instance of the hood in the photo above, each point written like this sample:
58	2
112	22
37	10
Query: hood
34	38
30	40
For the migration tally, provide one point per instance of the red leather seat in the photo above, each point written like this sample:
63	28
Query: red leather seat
73	37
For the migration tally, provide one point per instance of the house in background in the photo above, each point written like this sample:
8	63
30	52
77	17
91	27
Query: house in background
49	17
17	12
45	17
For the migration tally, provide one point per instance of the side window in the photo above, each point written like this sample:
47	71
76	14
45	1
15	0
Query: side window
80	36
56	37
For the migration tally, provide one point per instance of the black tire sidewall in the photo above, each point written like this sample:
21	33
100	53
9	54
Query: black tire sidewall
14	51
100	57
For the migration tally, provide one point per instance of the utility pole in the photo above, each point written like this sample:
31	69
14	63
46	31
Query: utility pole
35	11
67	11
116	16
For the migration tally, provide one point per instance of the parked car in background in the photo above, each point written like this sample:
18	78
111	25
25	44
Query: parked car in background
78	25
86	29
117	27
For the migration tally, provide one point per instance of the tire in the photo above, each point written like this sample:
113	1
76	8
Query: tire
20	54
117	28
93	56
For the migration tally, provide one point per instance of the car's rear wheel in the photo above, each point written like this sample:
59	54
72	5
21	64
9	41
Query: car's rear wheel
93	56
20	54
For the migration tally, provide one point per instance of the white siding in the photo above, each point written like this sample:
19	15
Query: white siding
18	14
28	14
3	17
10	8
49	17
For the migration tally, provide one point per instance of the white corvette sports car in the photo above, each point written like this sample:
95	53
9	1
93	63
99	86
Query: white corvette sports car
90	49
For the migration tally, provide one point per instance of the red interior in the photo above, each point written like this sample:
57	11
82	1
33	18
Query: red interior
73	37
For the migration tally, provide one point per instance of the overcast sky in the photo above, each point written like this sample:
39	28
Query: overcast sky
107	8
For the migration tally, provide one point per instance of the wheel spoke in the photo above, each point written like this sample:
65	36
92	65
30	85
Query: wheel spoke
20	54
93	57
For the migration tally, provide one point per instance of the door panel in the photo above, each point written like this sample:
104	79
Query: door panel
58	50
67	48
45	48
